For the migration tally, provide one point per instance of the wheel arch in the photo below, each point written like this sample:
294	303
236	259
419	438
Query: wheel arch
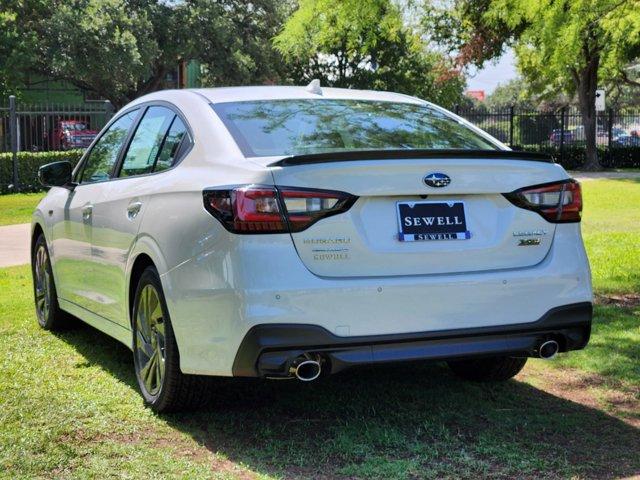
145	253
36	231
141	262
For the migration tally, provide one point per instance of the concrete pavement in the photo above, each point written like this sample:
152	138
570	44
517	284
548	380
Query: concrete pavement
14	245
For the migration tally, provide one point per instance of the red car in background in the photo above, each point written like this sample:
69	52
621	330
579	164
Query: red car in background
70	134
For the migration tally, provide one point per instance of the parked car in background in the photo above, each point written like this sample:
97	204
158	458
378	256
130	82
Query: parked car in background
626	141
290	232
69	134
556	136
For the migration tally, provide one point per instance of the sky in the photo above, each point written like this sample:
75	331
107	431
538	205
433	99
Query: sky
491	75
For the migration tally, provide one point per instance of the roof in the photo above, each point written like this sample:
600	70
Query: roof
239	94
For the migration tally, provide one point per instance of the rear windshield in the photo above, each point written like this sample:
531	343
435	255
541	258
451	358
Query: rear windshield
298	127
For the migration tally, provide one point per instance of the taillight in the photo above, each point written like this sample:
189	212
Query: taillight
266	209
558	202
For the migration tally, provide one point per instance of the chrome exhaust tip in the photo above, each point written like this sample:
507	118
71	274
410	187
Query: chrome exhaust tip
306	370
548	349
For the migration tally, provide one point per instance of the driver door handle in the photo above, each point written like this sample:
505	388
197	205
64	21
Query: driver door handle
87	211
133	209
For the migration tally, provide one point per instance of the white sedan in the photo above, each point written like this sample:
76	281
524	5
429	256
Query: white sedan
292	232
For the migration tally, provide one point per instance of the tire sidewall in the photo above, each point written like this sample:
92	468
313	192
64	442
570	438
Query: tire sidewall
150	277
48	322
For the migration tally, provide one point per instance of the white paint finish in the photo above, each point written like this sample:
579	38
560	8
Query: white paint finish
222	295
14	245
373	249
70	238
218	285
405	177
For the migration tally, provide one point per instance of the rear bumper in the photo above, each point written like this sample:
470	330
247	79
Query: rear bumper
267	350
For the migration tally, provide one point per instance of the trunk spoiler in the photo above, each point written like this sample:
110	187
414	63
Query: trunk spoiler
356	155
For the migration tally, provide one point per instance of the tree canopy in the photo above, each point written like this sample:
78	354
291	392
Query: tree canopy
364	44
568	46
121	49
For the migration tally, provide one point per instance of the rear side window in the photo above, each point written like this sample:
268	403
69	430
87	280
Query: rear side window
103	155
171	145
297	127
147	142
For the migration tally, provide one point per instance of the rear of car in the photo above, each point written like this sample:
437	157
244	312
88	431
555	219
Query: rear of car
285	232
392	230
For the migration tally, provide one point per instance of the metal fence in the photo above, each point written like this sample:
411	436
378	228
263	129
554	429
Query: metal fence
536	130
54	127
47	127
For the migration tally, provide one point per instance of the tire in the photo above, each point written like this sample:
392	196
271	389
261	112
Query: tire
48	312
156	359
491	369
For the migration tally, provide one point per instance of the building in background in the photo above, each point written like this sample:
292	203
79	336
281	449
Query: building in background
476	94
42	90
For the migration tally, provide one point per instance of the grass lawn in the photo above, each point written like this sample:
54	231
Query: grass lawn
69	406
18	207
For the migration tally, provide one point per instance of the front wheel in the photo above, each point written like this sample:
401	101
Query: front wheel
48	312
155	352
491	369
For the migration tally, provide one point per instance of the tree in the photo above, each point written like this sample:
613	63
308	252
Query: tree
364	44
570	46
514	93
121	49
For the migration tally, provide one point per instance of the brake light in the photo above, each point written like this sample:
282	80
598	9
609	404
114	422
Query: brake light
558	202
266	209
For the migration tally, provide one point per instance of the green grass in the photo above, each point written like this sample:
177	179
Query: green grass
69	406
18	207
611	231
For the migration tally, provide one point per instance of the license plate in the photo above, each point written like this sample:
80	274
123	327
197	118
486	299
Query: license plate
425	221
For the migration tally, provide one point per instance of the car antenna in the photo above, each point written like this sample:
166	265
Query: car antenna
314	87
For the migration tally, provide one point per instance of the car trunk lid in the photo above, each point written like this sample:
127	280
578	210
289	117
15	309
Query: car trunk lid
367	240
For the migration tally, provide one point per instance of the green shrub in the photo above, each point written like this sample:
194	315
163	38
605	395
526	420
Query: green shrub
573	156
28	165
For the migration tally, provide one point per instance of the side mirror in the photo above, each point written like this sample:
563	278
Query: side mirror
56	174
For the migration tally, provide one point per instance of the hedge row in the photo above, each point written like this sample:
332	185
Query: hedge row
573	157
28	165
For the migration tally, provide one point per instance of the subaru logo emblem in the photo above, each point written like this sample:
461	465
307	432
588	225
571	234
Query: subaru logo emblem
437	180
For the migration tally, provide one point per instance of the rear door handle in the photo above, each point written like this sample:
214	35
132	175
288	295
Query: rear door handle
133	209
87	211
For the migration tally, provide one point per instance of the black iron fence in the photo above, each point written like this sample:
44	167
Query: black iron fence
45	127
555	129
561	134
58	127
49	127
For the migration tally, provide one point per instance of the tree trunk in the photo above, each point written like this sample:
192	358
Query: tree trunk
587	82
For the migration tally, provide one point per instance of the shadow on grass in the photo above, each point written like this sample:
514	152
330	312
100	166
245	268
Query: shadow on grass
408	421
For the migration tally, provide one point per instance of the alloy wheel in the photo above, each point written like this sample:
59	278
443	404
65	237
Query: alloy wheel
43	284
150	341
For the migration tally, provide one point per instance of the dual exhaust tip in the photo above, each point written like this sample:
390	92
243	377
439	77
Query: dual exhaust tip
306	368
548	349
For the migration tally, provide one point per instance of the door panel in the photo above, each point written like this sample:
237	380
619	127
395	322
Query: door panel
116	222
118	215
79	281
71	241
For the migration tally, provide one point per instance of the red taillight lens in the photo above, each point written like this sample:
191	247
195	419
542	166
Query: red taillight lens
559	202
266	209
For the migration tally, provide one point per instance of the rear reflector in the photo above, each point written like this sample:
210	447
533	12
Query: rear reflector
558	202
266	209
